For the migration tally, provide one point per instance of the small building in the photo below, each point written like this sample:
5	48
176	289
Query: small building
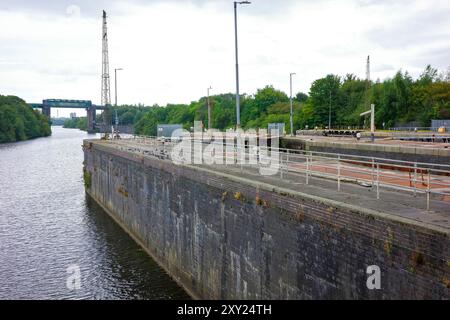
436	124
279	127
166	131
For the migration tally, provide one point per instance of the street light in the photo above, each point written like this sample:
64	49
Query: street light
115	102
292	112
209	110
115	81
329	114
238	111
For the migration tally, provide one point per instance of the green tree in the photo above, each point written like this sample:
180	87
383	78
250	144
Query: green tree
399	99
18	121
325	92
301	97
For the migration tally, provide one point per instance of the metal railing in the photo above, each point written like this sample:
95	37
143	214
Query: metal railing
416	178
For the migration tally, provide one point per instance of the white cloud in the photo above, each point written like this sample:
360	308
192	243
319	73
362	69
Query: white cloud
171	51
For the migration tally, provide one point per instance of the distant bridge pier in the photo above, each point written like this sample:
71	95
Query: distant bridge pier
46	110
91	118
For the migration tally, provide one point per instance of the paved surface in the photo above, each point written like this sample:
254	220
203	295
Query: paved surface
394	202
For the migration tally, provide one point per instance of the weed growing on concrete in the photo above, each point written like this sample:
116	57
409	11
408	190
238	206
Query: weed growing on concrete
87	177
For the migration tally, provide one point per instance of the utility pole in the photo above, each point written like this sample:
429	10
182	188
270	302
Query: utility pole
368	84
105	91
209	109
292	111
238	111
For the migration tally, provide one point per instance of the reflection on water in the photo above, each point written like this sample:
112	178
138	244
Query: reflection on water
47	224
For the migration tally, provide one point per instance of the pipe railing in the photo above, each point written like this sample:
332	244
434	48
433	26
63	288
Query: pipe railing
414	177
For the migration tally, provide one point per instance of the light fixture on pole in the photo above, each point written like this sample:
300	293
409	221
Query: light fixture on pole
238	111
292	111
209	109
115	82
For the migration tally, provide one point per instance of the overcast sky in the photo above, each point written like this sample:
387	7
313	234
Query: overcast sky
171	51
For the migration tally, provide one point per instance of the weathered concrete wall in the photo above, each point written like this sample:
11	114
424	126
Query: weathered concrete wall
396	152
223	237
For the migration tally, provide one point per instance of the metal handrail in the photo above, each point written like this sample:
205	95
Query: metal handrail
307	163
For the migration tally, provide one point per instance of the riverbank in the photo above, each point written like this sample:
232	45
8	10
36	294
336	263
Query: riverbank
19	122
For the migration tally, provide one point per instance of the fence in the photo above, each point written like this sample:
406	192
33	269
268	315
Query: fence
413	177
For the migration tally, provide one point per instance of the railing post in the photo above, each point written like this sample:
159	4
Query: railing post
378	181
428	190
287	161
240	160
310	163
224	151
415	178
339	172
373	171
307	169
280	154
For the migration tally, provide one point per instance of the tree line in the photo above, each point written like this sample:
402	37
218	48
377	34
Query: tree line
398	100
76	123
18	121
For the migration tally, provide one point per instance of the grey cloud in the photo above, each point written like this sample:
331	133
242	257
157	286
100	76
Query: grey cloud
424	27
383	67
56	7
368	3
94	8
439	58
66	71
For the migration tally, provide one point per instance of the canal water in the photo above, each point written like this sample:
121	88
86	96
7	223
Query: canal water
50	230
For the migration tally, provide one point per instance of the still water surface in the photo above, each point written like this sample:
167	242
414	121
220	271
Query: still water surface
47	224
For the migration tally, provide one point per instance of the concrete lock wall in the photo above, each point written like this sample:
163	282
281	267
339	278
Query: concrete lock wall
224	237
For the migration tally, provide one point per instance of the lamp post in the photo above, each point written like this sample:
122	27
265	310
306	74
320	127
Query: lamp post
238	111
329	114
115	101
292	112
115	82
209	109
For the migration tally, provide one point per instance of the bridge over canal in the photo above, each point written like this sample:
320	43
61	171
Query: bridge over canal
90	108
